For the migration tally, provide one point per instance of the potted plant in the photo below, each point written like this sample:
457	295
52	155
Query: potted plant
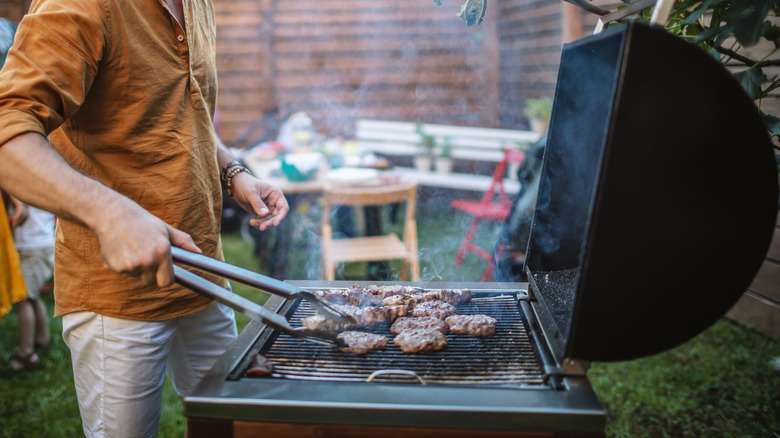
538	112
424	160
444	160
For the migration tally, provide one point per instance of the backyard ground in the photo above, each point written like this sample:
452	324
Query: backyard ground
723	383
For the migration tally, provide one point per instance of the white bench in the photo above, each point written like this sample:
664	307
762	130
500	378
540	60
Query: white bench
467	143
404	139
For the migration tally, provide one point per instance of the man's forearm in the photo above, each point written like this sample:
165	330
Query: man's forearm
224	156
36	174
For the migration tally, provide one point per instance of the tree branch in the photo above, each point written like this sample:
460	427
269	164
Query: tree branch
743	59
584	4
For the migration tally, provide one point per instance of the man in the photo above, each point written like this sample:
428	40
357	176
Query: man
126	92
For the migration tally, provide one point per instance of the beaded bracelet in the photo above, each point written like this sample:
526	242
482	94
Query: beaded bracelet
224	171
235	170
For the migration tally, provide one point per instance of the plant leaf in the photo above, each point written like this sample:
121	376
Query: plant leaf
698	12
747	17
772	123
773	34
751	80
711	32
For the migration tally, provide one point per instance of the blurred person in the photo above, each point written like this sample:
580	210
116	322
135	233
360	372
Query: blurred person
126	93
12	287
510	250
33	235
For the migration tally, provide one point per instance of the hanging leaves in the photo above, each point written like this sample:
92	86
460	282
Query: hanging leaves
471	12
716	24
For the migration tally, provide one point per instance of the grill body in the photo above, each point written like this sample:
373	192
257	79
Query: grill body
501	386
638	218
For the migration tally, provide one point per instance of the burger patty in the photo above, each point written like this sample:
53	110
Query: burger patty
455	296
260	366
364	317
361	343
407	323
420	341
438	309
476	325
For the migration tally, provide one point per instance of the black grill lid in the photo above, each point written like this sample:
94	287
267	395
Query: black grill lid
657	199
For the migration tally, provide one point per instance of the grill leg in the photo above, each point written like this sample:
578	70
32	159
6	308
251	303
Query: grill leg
207	428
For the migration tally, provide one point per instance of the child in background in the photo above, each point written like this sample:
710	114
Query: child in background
12	288
34	241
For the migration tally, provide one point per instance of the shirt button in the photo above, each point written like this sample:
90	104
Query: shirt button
180	38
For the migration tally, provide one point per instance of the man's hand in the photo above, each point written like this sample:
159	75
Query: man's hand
139	244
20	212
261	199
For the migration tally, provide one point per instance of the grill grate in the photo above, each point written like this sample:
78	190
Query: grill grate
508	358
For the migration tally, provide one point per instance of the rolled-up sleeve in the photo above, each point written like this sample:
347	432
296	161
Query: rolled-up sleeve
47	75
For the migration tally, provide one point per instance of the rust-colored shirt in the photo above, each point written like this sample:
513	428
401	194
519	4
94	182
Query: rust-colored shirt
127	97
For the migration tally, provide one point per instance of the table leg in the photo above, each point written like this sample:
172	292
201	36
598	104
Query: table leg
377	271
283	244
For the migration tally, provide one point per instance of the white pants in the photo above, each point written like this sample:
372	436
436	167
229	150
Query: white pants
119	365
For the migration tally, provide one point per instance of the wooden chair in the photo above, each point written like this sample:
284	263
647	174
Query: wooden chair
371	248
494	206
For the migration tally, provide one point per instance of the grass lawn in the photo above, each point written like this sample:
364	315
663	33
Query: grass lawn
723	383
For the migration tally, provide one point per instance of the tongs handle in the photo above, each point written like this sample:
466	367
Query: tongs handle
224	296
250	308
231	272
259	281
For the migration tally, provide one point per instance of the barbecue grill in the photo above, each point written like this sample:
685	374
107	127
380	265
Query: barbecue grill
648	227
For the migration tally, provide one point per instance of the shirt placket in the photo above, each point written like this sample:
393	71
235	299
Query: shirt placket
183	46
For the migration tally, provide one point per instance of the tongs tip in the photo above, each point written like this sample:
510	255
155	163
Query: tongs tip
329	311
320	337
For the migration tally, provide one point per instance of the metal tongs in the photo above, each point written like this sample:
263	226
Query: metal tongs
258	281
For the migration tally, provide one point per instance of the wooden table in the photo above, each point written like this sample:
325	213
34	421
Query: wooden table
270	171
294	191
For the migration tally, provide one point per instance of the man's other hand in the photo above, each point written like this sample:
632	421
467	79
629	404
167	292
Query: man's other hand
263	200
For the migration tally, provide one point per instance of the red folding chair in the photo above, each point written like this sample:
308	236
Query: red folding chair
495	206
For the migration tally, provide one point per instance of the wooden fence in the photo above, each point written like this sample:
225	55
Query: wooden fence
760	305
343	60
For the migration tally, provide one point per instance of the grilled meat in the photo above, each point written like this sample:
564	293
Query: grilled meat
422	297
363	296
372	305
395	312
382	292
476	325
362	343
410	300
397	300
422	323
455	296
420	341
364	317
260	366
354	296
452	296
438	309
319	322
